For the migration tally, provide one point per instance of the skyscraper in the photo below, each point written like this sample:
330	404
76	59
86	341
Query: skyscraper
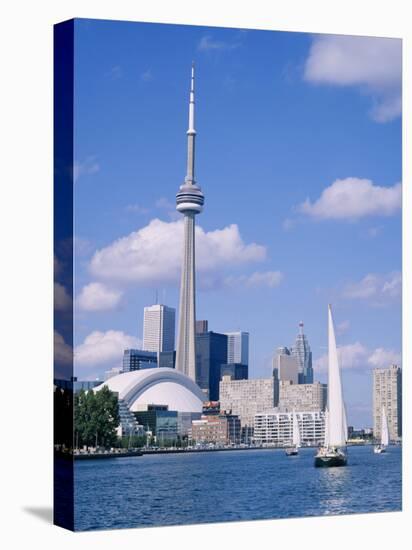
189	201
387	392
211	353
238	347
159	328
286	365
201	326
304	356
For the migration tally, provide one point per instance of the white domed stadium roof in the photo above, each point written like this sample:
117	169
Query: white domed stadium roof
157	386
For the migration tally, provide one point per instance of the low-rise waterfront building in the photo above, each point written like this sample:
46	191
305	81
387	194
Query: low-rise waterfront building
245	398
128	423
184	423
159	420
221	429
275	427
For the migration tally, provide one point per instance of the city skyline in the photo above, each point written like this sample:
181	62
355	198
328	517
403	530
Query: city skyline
259	274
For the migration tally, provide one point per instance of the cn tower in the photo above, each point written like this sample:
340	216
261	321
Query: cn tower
189	202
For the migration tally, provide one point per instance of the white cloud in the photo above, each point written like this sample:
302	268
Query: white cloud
63	353
373	232
288	224
383	358
164	203
343	327
153	254
359	357
269	279
98	297
354	198
115	72
207	43
373	65
136	209
146	76
380	289
101	348
62	299
82	247
88	166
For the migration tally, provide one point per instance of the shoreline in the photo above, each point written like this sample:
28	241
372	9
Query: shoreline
142	452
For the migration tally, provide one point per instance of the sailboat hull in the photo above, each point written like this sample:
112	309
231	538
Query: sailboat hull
330	458
329	462
291	452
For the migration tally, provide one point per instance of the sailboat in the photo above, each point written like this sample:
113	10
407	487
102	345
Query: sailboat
293	451
384	434
333	451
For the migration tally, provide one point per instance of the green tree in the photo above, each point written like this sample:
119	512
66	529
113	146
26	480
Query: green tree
96	418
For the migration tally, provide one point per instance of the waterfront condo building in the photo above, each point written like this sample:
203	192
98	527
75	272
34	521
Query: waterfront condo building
276	427
237	347
246	398
302	397
387	392
159	328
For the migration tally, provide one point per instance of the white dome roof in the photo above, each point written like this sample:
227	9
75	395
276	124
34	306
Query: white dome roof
158	386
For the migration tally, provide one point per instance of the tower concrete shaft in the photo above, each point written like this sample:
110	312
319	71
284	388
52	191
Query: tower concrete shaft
189	202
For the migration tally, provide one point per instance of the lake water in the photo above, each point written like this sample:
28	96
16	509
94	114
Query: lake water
155	490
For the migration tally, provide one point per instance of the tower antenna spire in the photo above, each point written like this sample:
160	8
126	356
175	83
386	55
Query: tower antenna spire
191	132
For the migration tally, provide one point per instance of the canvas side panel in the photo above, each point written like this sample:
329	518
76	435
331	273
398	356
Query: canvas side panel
63	275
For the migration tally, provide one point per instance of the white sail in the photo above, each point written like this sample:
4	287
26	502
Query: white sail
296	431
336	416
384	429
345	422
326	441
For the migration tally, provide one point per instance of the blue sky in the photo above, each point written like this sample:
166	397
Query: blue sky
299	158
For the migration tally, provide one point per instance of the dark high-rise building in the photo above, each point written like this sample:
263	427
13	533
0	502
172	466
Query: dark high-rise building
136	359
211	353
236	371
166	359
